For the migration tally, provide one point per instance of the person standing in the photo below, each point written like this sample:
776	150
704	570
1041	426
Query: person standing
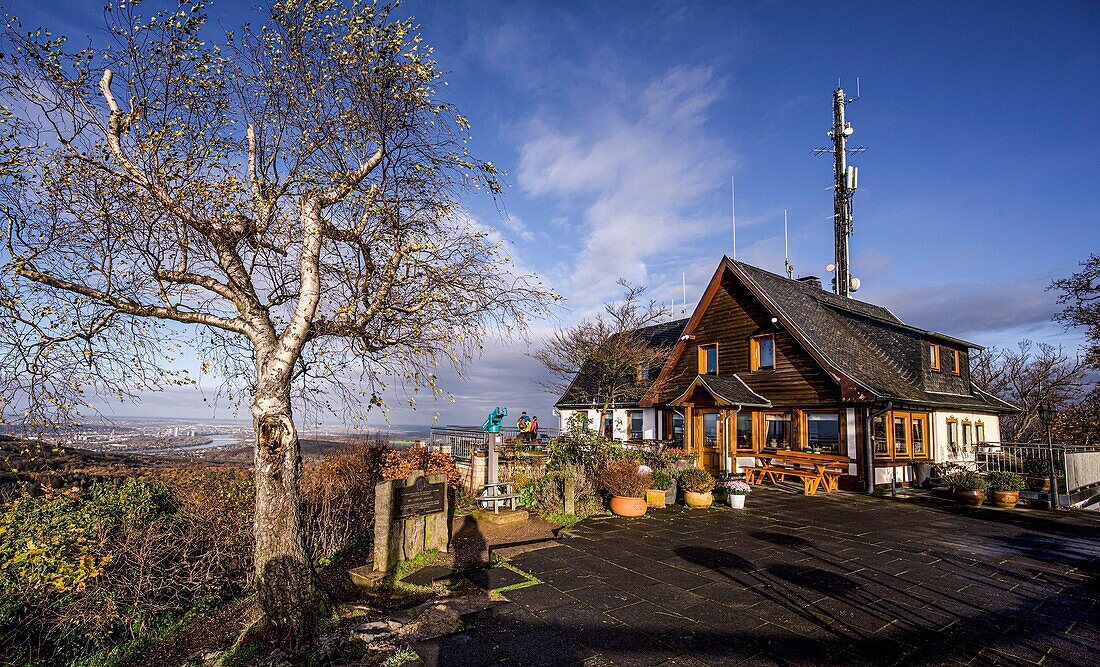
534	428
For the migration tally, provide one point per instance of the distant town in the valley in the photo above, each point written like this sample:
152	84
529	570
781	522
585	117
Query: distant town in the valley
199	438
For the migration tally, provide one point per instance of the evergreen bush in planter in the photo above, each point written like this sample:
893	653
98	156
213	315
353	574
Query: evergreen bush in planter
1038	471
970	488
698	487
1006	488
663	489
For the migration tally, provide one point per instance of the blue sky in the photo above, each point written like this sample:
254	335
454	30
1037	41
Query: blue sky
621	123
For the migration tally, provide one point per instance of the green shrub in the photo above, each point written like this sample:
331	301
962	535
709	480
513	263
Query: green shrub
580	446
1001	480
969	481
697	480
663	479
548	492
1037	467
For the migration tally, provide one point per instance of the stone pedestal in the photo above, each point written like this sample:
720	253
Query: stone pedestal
410	517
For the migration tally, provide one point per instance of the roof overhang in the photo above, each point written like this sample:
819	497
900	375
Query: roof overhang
755	400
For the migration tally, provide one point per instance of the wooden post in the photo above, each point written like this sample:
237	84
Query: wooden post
570	491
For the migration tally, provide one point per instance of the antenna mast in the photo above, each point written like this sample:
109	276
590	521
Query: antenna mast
844	186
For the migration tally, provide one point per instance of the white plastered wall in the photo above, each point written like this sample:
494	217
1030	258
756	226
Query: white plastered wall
621	420
941	452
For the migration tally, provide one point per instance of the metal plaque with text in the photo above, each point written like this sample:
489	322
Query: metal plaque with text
418	499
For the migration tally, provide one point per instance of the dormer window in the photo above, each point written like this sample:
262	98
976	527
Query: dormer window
762	353
934	357
708	359
957	370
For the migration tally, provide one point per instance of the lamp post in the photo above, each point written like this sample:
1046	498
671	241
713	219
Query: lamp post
1046	416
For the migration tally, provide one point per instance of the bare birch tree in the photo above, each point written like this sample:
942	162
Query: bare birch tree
604	359
290	189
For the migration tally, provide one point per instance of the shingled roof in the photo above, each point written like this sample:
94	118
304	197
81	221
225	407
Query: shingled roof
580	392
867	343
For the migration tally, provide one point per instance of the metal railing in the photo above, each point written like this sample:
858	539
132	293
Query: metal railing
460	442
1076	468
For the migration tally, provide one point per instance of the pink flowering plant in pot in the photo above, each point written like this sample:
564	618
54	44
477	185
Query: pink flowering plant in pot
736	491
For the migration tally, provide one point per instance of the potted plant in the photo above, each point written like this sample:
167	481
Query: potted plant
1037	470
1006	487
679	458
663	490
698	488
627	483
970	488
736	491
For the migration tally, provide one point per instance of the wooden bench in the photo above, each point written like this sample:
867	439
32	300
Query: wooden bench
811	480
494	495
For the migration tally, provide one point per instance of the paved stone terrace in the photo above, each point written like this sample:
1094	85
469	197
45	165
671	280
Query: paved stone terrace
837	579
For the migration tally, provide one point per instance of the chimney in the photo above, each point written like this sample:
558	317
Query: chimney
811	280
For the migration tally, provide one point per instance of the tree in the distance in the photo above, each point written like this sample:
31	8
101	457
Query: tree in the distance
604	359
1081	305
1028	377
290	190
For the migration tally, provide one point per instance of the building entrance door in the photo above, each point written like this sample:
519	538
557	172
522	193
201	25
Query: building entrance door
711	440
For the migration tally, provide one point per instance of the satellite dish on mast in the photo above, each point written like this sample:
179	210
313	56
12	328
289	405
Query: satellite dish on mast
831	267
854	283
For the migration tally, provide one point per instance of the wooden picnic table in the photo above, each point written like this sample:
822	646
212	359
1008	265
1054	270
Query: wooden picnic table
813	469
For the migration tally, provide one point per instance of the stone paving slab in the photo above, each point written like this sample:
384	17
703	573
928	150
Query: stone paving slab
833	579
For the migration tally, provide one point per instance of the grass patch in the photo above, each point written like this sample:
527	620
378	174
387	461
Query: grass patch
401	656
566	521
531	580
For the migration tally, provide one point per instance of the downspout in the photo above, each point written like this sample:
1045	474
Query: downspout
726	426
868	447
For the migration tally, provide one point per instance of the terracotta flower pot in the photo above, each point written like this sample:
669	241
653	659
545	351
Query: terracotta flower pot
1006	499
655	497
624	506
1039	484
972	498
698	500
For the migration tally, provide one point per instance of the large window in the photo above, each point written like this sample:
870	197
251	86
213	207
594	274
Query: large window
953	436
762	353
901	435
919	430
708	359
777	430
710	429
744	431
635	417
879	439
823	431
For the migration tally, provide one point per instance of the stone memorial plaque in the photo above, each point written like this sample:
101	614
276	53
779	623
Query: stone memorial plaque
418	499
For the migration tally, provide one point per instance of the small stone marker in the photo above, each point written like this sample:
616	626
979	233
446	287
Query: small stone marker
410	517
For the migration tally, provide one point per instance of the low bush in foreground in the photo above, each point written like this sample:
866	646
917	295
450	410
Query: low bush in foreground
83	571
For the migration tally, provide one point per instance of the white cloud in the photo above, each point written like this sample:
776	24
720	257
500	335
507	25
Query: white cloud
639	176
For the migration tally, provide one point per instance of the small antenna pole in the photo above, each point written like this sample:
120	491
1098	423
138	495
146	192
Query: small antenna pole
786	250
684	284
733	211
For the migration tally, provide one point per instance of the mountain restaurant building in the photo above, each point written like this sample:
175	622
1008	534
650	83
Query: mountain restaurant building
770	363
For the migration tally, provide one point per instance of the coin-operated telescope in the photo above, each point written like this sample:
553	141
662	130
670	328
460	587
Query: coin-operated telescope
495	420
